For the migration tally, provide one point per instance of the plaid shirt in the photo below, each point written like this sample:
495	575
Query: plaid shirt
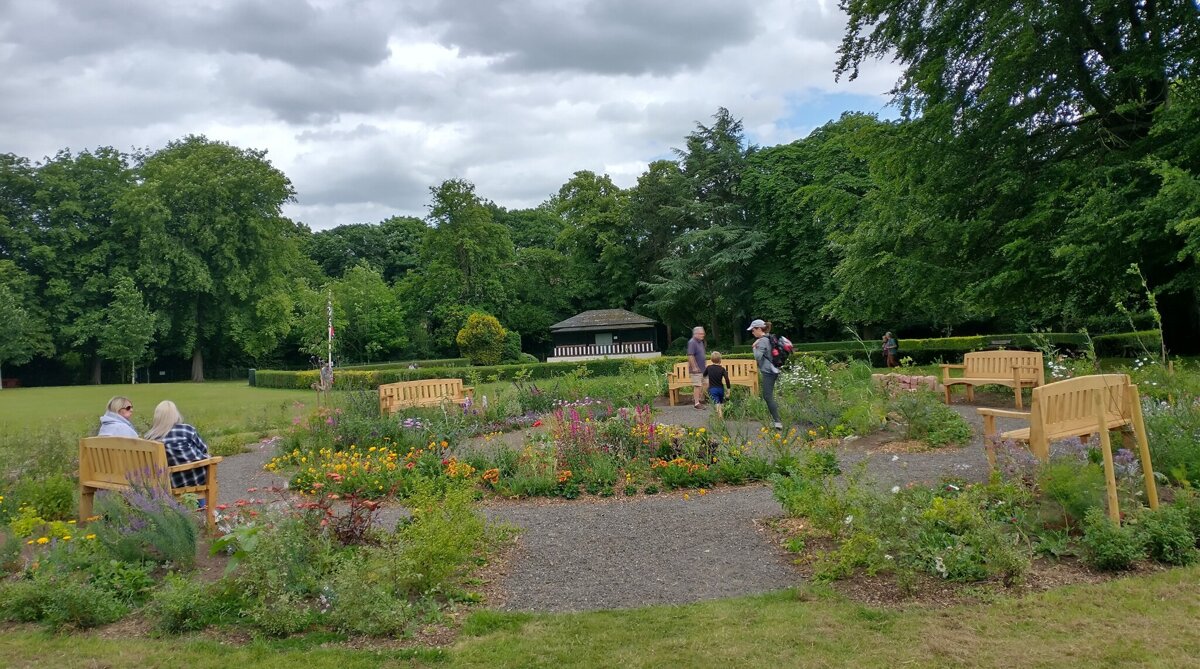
184	445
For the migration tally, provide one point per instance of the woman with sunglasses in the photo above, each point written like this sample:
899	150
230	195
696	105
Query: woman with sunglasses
116	421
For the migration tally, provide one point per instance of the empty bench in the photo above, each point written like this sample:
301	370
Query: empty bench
1076	409
1015	369
424	393
109	463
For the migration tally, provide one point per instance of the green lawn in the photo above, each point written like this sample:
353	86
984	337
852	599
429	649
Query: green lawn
215	407
1136	621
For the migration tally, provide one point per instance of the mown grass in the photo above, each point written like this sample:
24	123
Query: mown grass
1136	621
219	407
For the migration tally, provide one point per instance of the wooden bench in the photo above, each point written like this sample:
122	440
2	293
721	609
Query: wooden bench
1015	369
741	373
424	393
108	463
1078	408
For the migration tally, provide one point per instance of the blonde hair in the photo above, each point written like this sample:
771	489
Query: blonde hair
716	357
166	416
119	402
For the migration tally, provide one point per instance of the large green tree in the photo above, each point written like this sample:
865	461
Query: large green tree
1039	136
127	326
596	238
212	241
392	247
80	248
465	260
25	333
712	276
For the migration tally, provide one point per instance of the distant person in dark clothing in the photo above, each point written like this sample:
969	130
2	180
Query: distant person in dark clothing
718	383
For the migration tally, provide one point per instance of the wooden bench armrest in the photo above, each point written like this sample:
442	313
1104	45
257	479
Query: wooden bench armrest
197	464
1004	413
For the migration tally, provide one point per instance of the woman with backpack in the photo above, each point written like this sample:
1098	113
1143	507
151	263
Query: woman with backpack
767	370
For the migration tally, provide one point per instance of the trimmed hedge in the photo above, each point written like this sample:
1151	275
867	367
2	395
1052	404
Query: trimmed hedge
403	364
350	379
1128	344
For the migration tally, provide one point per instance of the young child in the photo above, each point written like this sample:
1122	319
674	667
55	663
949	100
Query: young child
718	382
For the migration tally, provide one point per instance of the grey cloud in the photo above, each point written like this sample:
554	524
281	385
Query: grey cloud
289	31
601	36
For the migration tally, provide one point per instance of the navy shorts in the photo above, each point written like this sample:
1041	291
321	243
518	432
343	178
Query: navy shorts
716	394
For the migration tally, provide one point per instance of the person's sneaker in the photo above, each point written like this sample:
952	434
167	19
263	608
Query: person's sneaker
778	426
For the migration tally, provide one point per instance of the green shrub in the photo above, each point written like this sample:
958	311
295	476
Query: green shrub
442	536
129	583
183	604
280	615
1171	429
929	420
59	600
1109	546
1128	344
1075	487
483	339
364	597
53	496
1187	500
1166	535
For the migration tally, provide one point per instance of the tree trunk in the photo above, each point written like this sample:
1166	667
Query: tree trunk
198	366
133	373
96	379
1	377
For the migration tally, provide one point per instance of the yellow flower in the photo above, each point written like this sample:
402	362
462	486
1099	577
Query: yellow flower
686	497
90	537
703	491
66	537
43	541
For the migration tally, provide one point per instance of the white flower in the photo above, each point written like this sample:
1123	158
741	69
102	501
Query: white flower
953	487
887	557
848	520
940	567
895	489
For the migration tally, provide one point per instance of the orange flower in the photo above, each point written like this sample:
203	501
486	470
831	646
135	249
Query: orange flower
564	476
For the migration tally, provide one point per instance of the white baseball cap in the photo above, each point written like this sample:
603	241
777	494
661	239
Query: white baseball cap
757	323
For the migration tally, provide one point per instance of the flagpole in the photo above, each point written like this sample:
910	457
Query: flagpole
329	312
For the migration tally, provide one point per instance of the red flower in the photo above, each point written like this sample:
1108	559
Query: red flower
410	465
537	423
222	507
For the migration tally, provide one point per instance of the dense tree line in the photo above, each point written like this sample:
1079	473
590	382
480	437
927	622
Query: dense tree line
1046	164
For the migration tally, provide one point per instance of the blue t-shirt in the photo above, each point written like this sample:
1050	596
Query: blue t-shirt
696	352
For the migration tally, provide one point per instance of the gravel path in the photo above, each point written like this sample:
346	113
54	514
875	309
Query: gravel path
616	553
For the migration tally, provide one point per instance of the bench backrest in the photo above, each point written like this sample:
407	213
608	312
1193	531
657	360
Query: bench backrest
1066	408
1000	364
113	460
680	372
425	391
740	368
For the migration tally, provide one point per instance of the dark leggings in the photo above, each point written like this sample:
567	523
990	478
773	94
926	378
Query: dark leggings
768	390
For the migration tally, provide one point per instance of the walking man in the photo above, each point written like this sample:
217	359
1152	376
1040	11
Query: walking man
695	354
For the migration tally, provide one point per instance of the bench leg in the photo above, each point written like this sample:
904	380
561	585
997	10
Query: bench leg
672	396
210	499
1139	430
1017	392
947	389
970	394
989	440
87	497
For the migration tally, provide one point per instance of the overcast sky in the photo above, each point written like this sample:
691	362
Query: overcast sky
365	104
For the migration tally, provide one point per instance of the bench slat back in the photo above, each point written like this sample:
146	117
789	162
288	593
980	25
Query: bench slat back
1066	408
999	365
418	393
740	368
680	372
113	459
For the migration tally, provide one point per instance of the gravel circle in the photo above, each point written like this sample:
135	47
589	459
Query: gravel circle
631	552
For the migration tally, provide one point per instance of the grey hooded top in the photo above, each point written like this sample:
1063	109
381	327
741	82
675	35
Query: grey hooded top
115	425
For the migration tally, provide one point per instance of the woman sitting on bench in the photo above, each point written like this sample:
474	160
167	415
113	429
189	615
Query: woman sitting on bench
183	444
